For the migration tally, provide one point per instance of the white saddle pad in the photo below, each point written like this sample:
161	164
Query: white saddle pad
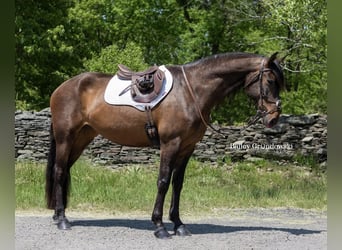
116	86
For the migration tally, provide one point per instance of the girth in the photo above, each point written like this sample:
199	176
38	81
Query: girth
151	130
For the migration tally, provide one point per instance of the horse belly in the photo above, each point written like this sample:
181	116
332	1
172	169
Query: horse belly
125	128
127	137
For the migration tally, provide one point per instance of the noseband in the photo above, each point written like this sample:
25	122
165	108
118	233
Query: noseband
262	111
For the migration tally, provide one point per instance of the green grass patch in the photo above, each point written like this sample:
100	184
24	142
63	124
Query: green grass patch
206	187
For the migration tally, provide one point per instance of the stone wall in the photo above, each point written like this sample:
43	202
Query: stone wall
294	135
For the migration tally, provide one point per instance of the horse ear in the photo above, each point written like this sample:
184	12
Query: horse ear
281	60
272	57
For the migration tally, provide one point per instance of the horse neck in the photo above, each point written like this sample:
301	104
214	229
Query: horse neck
212	80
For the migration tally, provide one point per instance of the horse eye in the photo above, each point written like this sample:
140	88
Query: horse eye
270	81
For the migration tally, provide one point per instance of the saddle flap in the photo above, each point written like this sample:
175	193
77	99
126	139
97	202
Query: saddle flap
146	92
158	79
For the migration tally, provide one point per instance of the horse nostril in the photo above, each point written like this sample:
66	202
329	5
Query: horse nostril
272	122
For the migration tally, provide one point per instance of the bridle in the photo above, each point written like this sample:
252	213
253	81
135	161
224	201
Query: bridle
261	112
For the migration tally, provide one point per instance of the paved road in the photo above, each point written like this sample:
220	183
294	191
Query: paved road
238	229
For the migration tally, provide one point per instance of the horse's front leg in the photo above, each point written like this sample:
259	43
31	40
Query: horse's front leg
177	185
167	159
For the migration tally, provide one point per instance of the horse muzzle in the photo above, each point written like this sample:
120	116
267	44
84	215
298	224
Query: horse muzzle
271	116
270	122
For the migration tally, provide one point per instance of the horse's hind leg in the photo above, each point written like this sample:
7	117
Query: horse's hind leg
61	183
84	137
68	151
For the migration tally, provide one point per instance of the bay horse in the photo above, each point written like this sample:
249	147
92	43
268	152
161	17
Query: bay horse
79	113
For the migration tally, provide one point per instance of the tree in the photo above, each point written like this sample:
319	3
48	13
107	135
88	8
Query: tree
111	56
42	58
298	29
214	27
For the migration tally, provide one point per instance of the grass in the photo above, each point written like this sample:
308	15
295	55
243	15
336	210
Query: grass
206	187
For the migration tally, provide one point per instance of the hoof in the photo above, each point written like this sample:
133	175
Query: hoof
55	218
64	225
182	231
161	233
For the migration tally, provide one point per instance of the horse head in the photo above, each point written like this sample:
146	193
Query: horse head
264	86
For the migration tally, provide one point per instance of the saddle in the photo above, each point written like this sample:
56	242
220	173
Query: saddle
146	85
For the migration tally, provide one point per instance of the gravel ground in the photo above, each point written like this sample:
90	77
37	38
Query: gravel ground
237	229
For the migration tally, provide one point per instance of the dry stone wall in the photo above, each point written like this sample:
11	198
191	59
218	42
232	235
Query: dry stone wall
294	135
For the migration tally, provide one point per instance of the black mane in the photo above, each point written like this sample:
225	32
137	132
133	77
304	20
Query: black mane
275	66
228	55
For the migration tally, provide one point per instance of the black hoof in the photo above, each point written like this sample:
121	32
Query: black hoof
64	224
55	218
182	231
161	233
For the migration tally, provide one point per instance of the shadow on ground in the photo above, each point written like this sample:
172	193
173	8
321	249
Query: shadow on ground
199	228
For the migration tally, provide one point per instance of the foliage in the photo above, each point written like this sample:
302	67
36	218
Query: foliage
300	29
56	40
206	188
42	56
230	110
111	56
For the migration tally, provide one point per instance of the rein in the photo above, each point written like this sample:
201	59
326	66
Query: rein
198	108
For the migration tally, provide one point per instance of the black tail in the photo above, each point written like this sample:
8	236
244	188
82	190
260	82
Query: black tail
50	172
